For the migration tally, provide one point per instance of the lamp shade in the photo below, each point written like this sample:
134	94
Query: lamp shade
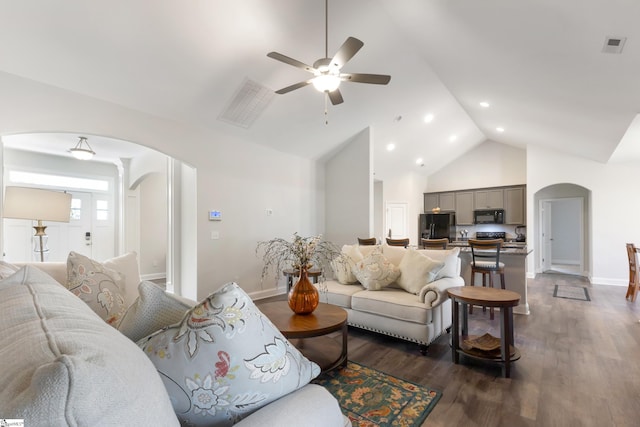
36	204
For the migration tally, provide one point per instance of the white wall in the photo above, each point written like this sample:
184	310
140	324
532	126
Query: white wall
614	206
153	225
236	177
349	192
490	164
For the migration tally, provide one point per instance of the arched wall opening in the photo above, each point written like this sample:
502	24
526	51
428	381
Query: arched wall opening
563	229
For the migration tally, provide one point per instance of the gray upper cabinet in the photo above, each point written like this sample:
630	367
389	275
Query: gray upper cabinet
431	201
514	200
445	201
464	207
489	199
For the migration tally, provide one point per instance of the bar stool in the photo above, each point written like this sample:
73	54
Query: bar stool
367	242
398	242
435	243
632	289
485	256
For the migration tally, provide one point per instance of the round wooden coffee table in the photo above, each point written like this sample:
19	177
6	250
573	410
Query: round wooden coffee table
310	331
506	352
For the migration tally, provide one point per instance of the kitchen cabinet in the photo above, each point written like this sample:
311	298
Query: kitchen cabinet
464	208
445	201
489	198
514	201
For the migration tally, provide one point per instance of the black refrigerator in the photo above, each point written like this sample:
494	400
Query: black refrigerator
437	226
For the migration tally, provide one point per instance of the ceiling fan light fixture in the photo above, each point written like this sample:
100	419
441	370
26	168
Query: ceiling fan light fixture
326	83
80	152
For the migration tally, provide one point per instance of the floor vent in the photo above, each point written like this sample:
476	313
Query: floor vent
613	44
249	101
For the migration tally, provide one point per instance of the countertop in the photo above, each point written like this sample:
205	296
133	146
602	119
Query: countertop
510	248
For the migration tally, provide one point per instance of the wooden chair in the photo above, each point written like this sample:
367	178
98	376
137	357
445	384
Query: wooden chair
435	243
485	259
634	279
398	242
367	242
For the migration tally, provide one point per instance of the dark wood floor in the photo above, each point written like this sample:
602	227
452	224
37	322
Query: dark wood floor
580	363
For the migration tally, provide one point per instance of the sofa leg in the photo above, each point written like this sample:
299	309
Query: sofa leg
423	349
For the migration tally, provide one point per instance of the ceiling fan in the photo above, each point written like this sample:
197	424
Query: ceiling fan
326	71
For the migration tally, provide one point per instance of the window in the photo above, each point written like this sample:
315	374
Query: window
76	209
46	180
102	210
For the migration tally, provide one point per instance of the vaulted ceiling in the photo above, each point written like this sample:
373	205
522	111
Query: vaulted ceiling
538	63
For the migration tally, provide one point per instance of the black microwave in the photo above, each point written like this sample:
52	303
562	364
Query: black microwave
488	216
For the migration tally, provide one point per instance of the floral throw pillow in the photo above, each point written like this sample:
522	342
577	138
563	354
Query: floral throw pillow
98	286
375	271
225	360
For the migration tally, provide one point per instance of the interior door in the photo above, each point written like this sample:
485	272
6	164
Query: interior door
396	220
546	237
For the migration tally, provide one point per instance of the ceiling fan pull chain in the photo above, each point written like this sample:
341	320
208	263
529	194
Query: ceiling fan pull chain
326	108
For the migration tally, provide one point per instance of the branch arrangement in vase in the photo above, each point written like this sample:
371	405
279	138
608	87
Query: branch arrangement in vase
279	254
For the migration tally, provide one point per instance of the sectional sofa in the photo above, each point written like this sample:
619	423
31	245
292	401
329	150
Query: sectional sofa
414	306
82	360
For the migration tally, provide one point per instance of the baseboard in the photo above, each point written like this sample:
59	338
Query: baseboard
153	276
609	281
268	293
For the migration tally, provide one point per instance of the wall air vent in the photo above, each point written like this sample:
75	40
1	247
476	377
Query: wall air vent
249	101
613	44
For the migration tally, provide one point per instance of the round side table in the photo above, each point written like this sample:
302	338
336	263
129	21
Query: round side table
489	297
311	330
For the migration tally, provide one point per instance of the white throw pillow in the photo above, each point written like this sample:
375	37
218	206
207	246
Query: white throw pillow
394	253
7	269
127	266
63	365
153	310
375	271
100	287
417	270
225	360
450	258
343	271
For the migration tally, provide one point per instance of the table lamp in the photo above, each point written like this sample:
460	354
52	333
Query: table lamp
37	205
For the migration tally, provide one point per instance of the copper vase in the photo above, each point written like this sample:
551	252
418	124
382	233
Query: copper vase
303	296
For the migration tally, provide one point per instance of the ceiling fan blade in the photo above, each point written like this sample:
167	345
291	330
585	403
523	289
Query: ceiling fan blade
376	79
348	49
292	87
336	97
283	58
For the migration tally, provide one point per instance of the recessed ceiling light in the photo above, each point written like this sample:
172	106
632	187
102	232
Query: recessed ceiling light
499	129
391	146
484	104
428	118
419	161
453	137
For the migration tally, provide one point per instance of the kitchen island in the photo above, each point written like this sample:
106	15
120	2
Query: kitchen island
513	255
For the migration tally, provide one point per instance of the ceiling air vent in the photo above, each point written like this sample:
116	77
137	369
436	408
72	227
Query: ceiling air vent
613	44
249	101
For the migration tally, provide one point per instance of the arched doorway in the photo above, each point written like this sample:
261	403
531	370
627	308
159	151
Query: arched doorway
562	218
138	174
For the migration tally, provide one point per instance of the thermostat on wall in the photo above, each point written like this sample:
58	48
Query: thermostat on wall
215	216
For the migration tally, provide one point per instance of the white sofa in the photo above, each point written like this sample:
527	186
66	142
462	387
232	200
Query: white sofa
421	317
64	365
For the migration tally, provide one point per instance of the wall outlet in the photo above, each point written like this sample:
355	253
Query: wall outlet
215	235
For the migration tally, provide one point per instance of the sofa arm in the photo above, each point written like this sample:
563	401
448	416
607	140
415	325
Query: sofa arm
435	293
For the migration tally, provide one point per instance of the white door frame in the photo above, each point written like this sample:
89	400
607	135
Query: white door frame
545	256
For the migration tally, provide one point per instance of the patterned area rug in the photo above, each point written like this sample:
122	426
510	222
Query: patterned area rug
571	292
372	398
